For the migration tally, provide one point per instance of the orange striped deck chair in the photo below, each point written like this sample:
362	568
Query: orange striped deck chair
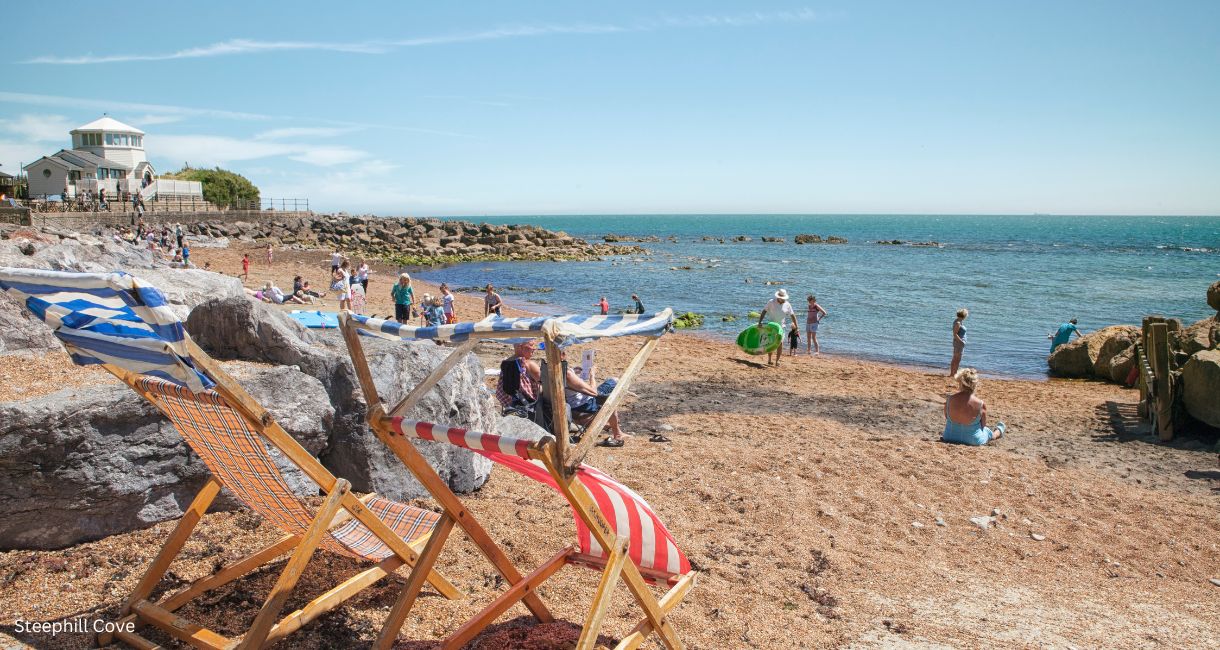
617	533
114	320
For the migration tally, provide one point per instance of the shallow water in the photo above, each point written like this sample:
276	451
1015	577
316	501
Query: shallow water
1020	276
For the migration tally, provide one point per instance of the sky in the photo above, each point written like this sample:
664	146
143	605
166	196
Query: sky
632	107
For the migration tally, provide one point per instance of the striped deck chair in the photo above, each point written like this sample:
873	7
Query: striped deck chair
116	321
617	532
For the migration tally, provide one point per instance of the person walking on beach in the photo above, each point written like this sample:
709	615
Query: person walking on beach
270	254
362	275
639	306
492	302
778	310
343	284
1064	334
403	294
812	318
959	339
336	258
245	266
966	414
447	300
604	305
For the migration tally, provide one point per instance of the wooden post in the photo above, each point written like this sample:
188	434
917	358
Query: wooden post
415	582
1162	390
1141	360
554	391
601	598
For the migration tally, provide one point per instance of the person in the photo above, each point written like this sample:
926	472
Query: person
434	314
492	302
584	401
604	305
270	254
639	306
966	414
423	309
309	292
447	304
135	201
271	293
959	340
794	340
186	254
336	258
362	275
403	294
358	299
101	197
343	284
812	318
178	234
245	265
778	310
1064	334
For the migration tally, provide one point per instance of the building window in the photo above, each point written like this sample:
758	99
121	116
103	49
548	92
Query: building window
46	173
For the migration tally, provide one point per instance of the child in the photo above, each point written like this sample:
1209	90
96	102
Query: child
245	266
434	314
794	341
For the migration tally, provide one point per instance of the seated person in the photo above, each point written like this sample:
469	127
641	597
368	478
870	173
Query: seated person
299	294
585	401
966	414
515	389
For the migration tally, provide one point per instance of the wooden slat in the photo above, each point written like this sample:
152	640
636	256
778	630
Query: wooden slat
1163	388
415	582
471	628
136	641
598	563
179	628
669	601
553	386
422	388
296	566
332	598
355	350
602	597
578	453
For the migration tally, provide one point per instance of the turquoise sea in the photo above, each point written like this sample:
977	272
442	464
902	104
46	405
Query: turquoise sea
1020	276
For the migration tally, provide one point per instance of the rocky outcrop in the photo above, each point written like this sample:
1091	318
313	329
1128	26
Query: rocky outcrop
1105	354
1197	337
1201	386
20	332
1213	295
615	239
817	239
413	241
81	464
773	240
243	329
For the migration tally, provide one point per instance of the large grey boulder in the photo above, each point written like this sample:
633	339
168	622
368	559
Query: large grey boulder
1101	354
81	464
188	288
1201	386
244	329
21	332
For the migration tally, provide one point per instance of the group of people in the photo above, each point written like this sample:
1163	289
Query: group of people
164	241
780	310
430	310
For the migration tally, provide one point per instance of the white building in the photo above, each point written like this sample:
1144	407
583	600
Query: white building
106	154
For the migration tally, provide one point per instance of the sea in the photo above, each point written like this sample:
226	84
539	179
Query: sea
1020	277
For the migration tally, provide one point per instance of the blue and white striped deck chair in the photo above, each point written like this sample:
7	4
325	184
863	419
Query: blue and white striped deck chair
115	320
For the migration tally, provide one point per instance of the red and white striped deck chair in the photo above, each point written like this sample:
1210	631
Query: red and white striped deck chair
617	532
116	321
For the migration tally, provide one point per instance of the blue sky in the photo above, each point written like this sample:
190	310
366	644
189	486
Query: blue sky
645	107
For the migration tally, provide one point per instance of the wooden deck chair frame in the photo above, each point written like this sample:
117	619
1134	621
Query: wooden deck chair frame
338	507
560	460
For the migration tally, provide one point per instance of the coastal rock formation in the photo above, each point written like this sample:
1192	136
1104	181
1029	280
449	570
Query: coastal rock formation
1213	296
1201	386
413	241
1196	337
81	464
615	239
817	239
21	332
773	240
1099	355
244	329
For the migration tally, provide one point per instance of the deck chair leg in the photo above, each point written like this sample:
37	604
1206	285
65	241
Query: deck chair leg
655	616
182	531
296	565
415	582
601	601
669	601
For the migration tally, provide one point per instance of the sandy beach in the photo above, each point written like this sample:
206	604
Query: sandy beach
815	499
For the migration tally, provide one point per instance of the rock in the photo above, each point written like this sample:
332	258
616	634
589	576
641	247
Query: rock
187	288
81	464
665	427
1201	386
916	524
1213	295
941	522
773	240
807	239
982	521
1196	337
688	320
1121	365
520	428
21	332
1079	357
1119	340
1036	537
1215	581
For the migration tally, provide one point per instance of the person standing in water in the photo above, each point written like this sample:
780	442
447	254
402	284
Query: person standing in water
604	305
812	318
639	306
1064	334
959	340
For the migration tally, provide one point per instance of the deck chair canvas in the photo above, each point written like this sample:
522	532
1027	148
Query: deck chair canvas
618	533
114	320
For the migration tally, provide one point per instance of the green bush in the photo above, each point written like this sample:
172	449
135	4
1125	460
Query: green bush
689	320
220	186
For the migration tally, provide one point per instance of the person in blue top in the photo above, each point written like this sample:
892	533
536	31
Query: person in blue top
966	414
1064	334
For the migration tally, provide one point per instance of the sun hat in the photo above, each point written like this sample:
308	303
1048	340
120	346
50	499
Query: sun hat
781	294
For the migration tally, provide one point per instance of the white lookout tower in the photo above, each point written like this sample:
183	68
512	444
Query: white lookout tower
109	138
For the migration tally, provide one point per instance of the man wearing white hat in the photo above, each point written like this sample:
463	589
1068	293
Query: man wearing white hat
778	310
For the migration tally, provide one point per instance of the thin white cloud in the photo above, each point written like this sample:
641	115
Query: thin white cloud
289	133
213	150
249	46
371	188
38	128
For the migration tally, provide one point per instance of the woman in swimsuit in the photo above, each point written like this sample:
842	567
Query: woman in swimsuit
966	414
959	340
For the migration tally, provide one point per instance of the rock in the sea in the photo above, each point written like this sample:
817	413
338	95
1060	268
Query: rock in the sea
1093	355
81	464
1201	386
1213	295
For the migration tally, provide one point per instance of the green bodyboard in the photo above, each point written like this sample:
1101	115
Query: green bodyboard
761	340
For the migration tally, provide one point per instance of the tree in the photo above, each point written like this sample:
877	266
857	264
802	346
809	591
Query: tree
221	187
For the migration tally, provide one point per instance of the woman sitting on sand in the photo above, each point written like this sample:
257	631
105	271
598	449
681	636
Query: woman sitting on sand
966	414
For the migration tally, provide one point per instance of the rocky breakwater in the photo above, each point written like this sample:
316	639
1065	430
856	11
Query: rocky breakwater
1107	354
1201	372
408	240
817	239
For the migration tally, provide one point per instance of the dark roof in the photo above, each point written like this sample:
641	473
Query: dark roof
62	162
91	159
4	175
